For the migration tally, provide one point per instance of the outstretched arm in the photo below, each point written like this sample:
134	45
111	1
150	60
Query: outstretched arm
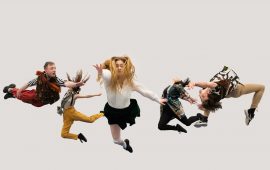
87	96
71	84
191	100
202	84
25	86
188	98
185	95
149	94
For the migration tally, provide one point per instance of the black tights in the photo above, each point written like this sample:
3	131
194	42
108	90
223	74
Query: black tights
167	115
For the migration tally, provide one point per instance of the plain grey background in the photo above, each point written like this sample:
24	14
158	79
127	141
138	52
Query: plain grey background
165	39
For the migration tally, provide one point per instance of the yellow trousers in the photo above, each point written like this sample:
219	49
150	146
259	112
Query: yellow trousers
70	115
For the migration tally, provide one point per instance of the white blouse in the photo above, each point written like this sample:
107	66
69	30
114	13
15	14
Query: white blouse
121	99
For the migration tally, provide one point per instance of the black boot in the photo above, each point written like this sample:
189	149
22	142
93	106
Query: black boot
8	95
5	90
128	148
181	129
82	138
249	115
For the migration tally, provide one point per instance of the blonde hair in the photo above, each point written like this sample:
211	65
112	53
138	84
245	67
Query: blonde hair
129	72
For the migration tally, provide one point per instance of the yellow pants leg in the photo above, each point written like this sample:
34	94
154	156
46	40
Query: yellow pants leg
68	121
78	116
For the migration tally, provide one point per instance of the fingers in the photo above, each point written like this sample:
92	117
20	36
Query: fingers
163	101
97	66
191	85
81	83
18	94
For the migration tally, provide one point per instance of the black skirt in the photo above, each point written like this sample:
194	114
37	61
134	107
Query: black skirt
122	116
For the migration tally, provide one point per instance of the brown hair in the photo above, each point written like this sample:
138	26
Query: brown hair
48	63
212	103
79	77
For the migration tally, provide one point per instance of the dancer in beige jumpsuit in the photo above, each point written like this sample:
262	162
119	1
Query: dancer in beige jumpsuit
226	84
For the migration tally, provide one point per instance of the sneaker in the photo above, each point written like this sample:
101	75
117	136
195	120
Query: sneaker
5	90
128	148
8	95
180	129
82	138
200	123
249	117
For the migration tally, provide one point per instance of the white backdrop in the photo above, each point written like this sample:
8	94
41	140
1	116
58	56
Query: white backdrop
165	39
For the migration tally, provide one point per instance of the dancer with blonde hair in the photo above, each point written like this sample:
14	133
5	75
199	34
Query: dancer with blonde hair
117	74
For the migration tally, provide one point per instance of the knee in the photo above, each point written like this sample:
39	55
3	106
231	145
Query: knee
187	123
160	126
64	134
91	120
263	87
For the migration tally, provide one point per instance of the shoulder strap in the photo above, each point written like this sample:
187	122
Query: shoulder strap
168	90
72	98
65	99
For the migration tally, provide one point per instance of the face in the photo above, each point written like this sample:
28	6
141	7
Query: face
120	65
204	94
50	70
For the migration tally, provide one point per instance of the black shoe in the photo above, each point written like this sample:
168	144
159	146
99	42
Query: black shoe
249	115
181	129
5	90
224	68
185	82
128	148
82	138
8	95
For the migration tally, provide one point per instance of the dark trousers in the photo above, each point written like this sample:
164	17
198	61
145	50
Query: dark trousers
167	115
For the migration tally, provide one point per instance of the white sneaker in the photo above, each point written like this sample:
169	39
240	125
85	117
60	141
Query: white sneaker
200	123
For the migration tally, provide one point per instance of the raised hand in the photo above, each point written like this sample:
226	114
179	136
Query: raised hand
98	67
79	84
18	94
191	85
